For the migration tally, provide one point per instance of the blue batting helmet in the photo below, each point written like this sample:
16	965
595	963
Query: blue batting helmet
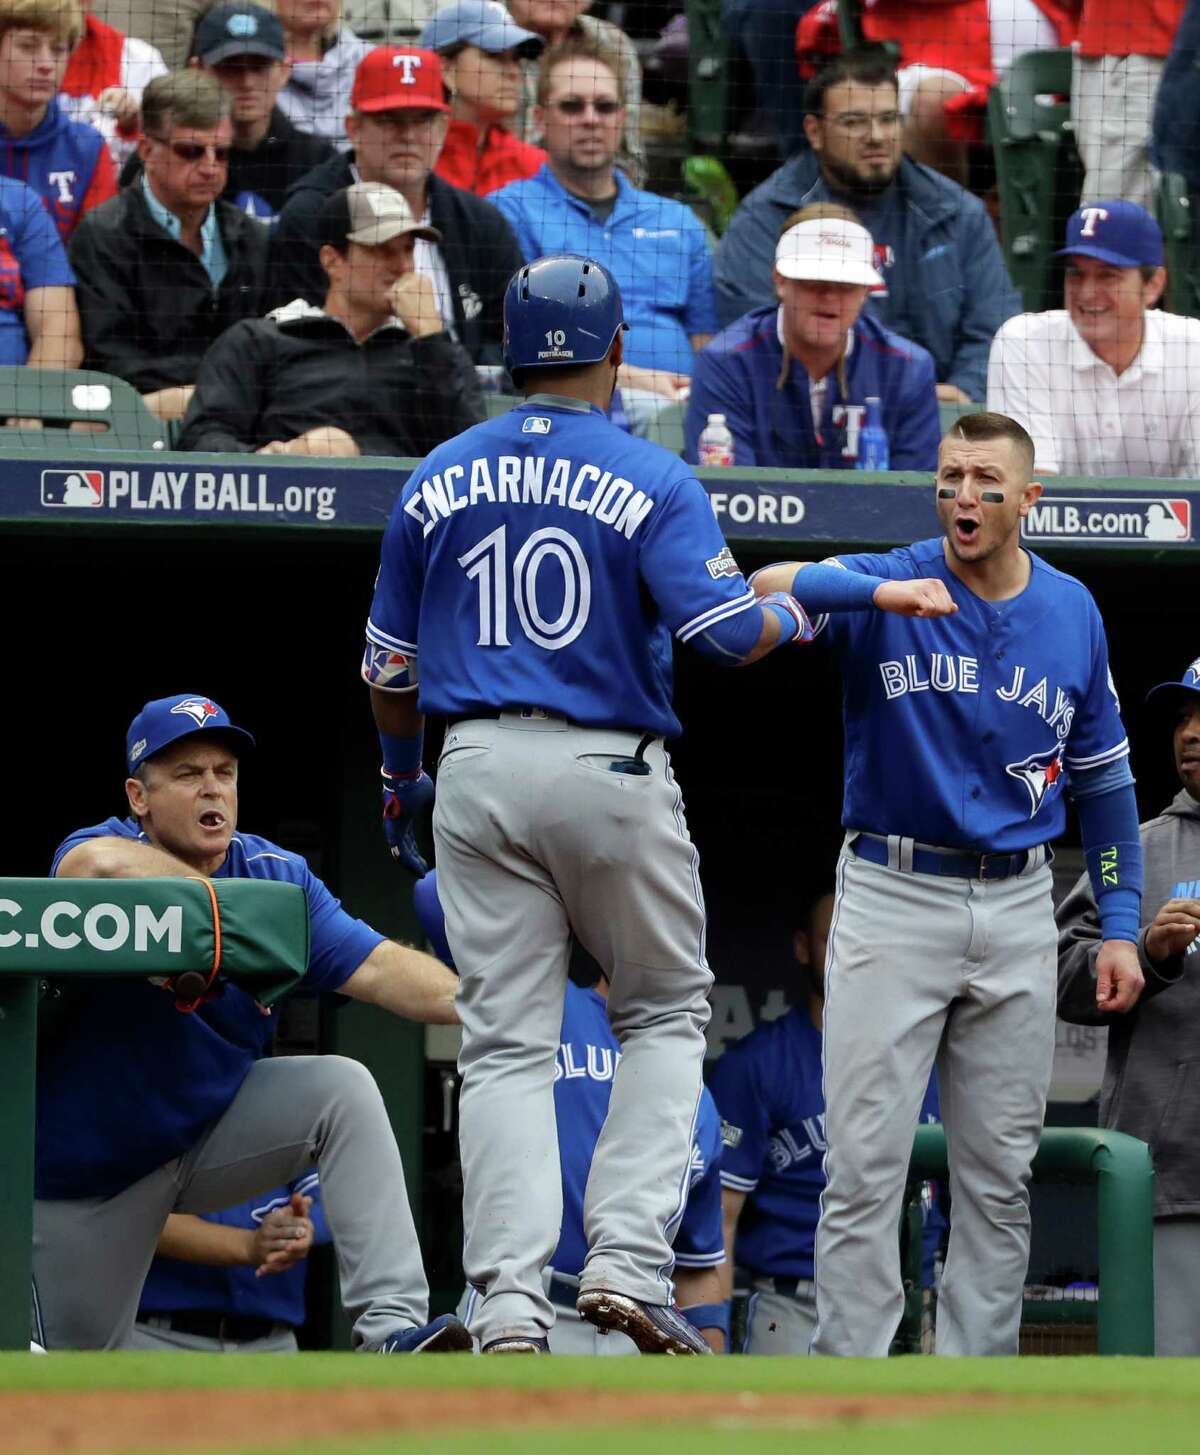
564	309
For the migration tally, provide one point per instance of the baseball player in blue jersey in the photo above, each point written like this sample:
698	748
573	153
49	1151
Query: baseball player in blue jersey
961	733
586	1060
537	568
149	1103
768	1091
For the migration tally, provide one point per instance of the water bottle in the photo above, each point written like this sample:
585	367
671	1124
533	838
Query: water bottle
873	440
715	445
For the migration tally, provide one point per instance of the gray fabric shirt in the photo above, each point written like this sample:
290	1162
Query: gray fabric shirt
1151	1084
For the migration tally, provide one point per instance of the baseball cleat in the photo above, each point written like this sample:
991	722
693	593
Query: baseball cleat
656	1328
517	1344
446	1335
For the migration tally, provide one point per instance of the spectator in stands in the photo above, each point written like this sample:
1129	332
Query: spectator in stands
945	285
1176	132
481	47
1149	1088
793	381
65	161
233	1281
371	372
324	56
398	125
39	321
1110	385
243	46
766	32
168	25
165	267
581	202
556	21
1118	62
104	81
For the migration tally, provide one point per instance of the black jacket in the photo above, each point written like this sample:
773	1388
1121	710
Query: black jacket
478	248
273	378
148	308
260	177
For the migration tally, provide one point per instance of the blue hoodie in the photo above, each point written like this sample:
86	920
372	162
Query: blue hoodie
66	162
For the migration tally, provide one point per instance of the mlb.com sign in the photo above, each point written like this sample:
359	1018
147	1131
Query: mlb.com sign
1108	518
64	925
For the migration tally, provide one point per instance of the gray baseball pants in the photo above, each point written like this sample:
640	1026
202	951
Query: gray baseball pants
923	968
91	1255
571	1333
153	1333
1176	1286
538	837
780	1323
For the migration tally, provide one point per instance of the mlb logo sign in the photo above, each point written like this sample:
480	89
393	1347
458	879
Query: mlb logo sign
73	487
536	424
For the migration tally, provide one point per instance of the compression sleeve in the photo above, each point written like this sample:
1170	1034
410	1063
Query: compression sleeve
1112	848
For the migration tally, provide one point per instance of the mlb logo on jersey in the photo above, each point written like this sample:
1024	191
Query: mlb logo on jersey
536	424
73	487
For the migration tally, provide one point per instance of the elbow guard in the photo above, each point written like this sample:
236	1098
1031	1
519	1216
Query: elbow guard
388	669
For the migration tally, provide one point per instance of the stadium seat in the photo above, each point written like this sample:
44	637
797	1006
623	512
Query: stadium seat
1173	204
118	417
1038	172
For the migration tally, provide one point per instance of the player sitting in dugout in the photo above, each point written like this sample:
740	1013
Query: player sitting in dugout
373	372
793	379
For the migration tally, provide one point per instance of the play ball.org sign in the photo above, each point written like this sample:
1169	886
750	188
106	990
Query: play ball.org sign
66	927
1108	518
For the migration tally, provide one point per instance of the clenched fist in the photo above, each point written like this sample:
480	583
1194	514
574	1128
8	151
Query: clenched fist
927	597
414	302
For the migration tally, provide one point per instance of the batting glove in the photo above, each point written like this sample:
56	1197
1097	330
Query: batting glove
406	797
792	617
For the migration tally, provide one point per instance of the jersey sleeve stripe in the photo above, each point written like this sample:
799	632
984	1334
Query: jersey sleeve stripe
700	1260
385	639
1110	755
715	614
738	1184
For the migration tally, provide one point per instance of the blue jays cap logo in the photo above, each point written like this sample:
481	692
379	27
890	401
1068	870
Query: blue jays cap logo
199	709
1191	677
1039	773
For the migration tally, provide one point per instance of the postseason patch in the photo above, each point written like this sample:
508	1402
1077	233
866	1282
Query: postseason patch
722	565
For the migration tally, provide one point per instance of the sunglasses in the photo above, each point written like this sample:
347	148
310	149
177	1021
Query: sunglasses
575	106
194	151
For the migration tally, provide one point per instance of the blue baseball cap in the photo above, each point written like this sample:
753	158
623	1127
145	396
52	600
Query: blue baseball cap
482	23
239	30
1173	694
167	719
1121	233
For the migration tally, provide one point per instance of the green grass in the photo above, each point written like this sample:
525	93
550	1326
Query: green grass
1051	1406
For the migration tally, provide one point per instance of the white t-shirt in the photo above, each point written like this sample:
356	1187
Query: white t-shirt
1087	420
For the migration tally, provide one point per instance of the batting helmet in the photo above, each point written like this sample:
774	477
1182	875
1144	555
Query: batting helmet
564	309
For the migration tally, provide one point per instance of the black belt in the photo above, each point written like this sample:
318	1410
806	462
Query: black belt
494	714
955	865
212	1324
793	1287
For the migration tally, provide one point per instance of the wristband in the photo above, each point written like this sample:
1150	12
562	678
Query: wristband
793	625
703	1316
820	588
401	756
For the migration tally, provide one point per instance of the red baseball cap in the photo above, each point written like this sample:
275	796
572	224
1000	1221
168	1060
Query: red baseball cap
394	78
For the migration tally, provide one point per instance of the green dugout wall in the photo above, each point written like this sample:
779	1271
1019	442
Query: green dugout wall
178	577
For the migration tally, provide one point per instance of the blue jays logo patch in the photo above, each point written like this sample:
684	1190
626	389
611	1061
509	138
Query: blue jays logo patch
1040	772
1192	676
199	709
536	424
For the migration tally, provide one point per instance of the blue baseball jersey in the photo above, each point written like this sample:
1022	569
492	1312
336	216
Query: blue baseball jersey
173	1286
768	1090
962	730
544	559
129	1082
583	1072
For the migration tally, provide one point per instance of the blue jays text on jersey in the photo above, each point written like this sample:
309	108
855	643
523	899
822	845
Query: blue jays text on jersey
768	1090
961	730
588	1055
545	559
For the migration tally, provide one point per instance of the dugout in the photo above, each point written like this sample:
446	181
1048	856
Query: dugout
158	587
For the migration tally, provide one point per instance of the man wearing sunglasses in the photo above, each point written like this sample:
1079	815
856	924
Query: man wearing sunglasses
580	202
166	266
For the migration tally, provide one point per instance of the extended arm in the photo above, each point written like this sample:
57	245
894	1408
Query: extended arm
281	1240
407	982
1112	848
117	858
732	1203
52	321
821	587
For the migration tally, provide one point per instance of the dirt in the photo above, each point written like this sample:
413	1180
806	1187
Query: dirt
124	1422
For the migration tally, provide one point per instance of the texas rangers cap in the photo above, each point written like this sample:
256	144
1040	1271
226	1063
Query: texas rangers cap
482	23
828	250
369	213
1121	233
1175	694
238	30
167	719
395	78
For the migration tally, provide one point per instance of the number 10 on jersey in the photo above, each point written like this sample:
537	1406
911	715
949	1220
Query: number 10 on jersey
486	563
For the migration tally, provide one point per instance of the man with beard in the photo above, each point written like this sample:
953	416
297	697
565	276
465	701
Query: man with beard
944	281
